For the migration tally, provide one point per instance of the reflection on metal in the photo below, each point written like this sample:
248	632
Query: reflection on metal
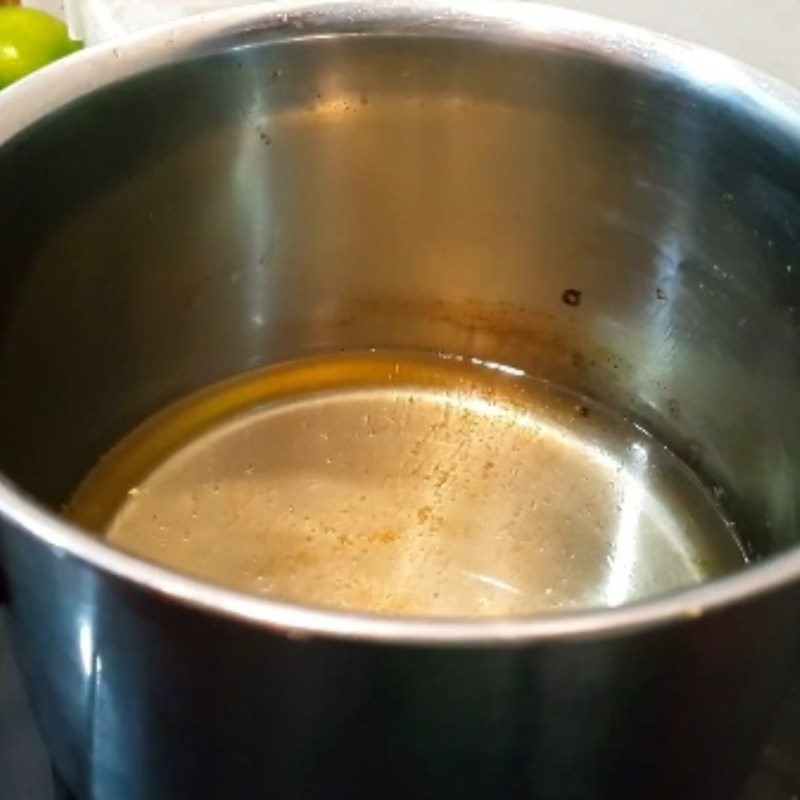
623	556
495	583
86	647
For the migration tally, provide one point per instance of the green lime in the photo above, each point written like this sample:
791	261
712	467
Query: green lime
29	39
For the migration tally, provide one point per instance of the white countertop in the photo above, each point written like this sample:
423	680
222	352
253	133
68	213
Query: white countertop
764	33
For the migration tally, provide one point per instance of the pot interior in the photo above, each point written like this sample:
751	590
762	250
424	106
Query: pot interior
624	235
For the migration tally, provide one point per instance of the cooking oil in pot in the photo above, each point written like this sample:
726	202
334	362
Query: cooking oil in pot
407	484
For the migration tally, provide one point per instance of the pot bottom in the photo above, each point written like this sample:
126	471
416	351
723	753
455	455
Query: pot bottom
408	484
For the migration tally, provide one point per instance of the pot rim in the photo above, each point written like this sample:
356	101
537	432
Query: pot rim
78	75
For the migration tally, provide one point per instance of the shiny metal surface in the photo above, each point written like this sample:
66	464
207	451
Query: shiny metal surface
260	185
402	484
776	775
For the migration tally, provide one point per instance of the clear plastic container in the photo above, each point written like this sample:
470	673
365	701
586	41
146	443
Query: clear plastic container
98	20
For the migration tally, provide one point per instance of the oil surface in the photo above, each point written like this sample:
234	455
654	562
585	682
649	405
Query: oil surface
407	484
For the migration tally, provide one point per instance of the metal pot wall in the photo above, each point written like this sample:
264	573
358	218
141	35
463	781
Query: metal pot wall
264	183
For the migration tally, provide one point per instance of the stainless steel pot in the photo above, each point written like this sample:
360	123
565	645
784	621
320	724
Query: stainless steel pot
263	183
